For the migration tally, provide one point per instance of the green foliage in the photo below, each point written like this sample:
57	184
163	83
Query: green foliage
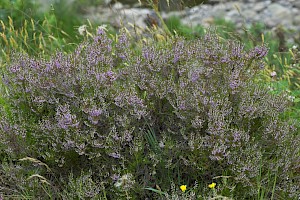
82	187
22	179
64	16
174	25
286	79
39	33
18	11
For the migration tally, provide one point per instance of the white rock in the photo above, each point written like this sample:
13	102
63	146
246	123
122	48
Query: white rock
296	20
297	4
232	15
278	10
278	15
117	6
258	7
284	12
249	14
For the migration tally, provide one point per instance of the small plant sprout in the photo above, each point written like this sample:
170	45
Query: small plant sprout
183	188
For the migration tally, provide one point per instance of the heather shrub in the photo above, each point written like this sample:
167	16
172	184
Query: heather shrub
74	111
179	111
210	115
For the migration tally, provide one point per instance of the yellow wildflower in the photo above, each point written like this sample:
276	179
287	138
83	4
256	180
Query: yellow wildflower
183	188
212	185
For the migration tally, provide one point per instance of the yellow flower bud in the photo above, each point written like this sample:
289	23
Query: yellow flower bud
212	185
183	188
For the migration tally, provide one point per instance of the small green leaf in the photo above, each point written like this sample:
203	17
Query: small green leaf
156	191
296	100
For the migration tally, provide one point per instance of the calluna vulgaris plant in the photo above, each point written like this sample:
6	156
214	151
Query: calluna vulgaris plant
190	109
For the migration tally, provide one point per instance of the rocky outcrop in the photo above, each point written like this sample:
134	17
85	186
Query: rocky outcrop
163	5
270	13
242	12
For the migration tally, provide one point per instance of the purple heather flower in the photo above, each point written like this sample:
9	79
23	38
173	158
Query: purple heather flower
69	144
127	136
146	54
111	75
136	101
182	106
122	56
101	30
94	115
234	84
237	50
115	177
225	59
95	112
100	77
236	136
194	76
259	51
65	119
122	39
15	68
176	58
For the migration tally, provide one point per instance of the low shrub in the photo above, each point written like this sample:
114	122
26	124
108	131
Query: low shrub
174	112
